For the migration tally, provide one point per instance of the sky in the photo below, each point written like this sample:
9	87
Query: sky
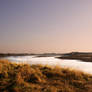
44	26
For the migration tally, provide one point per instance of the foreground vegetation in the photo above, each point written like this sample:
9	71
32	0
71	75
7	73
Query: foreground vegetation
37	78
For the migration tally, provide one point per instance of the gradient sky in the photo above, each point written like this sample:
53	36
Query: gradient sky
38	26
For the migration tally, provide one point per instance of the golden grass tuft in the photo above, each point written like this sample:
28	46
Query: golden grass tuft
38	78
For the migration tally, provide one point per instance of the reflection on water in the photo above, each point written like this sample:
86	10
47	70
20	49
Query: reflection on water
74	64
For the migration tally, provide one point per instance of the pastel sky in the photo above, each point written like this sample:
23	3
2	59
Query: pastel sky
42	26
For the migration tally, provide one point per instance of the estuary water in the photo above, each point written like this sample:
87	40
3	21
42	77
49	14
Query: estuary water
52	61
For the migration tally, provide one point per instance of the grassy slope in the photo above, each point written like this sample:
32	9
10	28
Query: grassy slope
37	78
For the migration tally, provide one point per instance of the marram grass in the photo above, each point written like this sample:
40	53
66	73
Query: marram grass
38	78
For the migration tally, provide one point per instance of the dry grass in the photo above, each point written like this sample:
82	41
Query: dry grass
37	78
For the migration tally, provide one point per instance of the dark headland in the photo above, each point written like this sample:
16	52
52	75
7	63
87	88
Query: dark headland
83	56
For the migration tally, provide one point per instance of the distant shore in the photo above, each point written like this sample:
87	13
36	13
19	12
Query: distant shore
27	54
87	57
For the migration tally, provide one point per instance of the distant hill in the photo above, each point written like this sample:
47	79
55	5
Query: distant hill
84	56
